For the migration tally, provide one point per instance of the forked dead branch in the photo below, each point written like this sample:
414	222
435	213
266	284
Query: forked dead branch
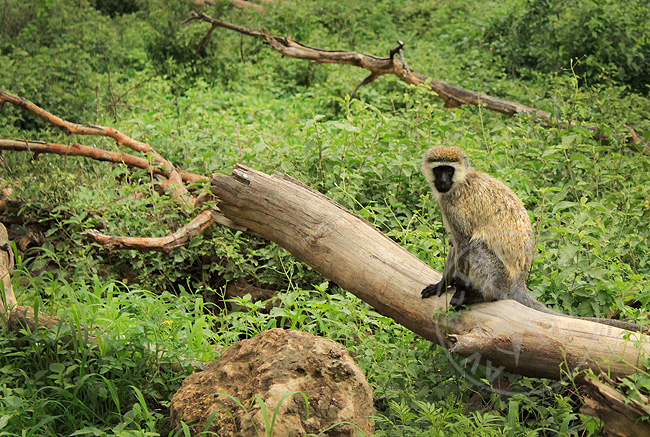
354	254
453	95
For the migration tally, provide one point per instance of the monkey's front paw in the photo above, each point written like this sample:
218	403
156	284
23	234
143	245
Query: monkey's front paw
434	290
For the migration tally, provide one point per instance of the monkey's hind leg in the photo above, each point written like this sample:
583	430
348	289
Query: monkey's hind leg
487	274
448	277
465	295
479	275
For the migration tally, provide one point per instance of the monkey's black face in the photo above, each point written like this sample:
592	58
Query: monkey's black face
443	177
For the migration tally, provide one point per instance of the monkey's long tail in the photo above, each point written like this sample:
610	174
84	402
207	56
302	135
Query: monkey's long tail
528	300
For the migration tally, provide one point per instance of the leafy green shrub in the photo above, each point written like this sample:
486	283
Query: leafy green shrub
117	7
16	15
600	40
58	54
172	47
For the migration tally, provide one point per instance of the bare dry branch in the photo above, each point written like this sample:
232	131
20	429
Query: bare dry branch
96	154
168	243
121	139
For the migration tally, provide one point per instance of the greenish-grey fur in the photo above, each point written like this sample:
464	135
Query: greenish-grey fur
492	243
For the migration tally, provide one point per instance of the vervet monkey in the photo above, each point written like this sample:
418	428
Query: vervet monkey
492	243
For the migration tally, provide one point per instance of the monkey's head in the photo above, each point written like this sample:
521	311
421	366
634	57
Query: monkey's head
445	166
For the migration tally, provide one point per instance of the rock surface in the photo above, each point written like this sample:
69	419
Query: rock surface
269	367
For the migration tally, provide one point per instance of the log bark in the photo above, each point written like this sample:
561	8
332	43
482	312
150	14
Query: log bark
7	296
623	416
362	260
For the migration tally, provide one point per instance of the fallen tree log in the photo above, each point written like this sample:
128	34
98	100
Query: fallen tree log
362	260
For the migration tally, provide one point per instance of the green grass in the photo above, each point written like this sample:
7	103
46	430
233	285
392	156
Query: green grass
158	316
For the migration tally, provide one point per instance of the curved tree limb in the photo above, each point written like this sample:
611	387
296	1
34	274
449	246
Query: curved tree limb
39	147
168	243
161	166
80	129
179	192
95	153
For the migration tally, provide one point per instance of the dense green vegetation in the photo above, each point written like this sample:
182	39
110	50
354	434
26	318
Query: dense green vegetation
133	65
603	41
